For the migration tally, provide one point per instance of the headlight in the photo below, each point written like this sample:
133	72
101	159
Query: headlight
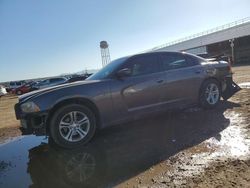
30	107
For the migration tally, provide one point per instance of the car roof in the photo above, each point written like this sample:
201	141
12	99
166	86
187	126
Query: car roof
166	52
158	52
149	53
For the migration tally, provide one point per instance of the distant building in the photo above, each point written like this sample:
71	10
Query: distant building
231	40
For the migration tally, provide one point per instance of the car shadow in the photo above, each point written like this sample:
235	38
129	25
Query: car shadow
123	151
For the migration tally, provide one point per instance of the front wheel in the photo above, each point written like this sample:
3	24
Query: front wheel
210	94
72	126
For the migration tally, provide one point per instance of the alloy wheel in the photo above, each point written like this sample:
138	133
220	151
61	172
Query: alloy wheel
212	93
74	126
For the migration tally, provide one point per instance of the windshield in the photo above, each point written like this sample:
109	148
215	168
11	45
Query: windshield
106	71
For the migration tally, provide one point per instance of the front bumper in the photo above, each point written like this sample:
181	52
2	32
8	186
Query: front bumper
33	123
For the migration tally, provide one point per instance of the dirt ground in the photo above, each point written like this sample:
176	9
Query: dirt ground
194	148
8	123
220	161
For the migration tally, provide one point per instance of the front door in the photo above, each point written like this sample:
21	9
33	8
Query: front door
139	92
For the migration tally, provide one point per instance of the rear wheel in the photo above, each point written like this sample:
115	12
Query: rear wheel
210	94
72	126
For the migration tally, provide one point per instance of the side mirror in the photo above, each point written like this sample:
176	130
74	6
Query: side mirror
123	73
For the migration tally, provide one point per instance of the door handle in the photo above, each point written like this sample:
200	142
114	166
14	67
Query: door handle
159	81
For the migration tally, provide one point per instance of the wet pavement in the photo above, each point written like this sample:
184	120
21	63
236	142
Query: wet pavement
119	154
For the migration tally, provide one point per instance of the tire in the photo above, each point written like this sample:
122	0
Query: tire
72	126
210	94
19	92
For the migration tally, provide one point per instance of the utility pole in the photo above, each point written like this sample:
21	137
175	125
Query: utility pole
232	47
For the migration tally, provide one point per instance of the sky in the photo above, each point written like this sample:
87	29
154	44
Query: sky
49	38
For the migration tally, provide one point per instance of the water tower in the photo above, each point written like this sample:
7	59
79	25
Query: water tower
105	53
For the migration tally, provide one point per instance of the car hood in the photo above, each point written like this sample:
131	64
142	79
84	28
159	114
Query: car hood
36	93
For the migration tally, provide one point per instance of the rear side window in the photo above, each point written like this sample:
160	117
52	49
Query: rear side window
192	60
173	61
143	65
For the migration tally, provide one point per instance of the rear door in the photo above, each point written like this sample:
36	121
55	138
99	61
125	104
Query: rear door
140	92
183	77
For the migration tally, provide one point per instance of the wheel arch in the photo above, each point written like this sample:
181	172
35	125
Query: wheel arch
82	101
209	78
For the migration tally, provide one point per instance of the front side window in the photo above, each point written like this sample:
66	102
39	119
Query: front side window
173	61
143	65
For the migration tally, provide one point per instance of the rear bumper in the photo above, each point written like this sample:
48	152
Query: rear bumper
230	88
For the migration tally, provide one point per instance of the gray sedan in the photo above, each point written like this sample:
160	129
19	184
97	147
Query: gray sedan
126	89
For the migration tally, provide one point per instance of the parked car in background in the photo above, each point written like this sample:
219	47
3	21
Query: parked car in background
14	85
77	78
25	88
2	91
50	82
125	89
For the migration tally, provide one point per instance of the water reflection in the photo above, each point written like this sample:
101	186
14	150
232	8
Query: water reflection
116	154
